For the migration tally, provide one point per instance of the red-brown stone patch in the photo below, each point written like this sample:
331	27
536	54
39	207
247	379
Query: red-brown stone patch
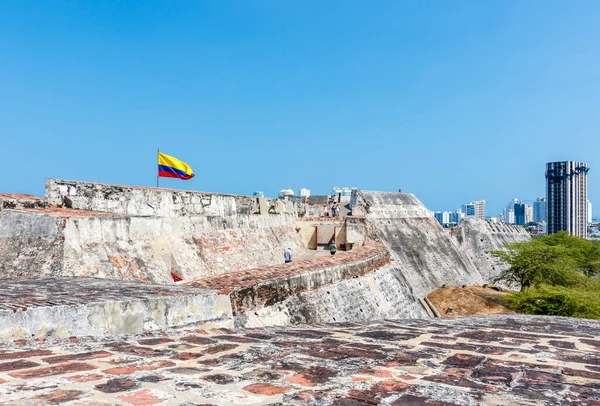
24	354
142	397
147	366
53	370
312	376
85	378
77	357
60	396
19	364
266	389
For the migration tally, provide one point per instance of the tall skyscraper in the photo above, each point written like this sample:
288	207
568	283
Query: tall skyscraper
475	209
528	214
566	192
540	210
520	213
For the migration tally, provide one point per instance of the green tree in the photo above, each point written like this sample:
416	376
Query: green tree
532	262
591	266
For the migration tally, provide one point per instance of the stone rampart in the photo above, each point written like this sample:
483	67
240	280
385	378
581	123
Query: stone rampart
424	255
350	286
144	234
476	238
64	307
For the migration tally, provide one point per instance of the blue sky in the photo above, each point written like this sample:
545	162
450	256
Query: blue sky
450	100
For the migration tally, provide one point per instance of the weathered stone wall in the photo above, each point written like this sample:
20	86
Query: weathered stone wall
143	248
424	256
373	296
144	234
63	307
350	286
476	238
30	242
145	201
147	249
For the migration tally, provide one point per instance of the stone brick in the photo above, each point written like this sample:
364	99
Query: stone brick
219	379
53	370
562	344
219	348
77	357
155	341
198	340
61	396
312	376
463	361
85	378
266	389
24	354
493	372
186	356
117	385
14	365
147	366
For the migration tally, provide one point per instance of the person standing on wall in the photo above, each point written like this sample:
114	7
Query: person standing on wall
287	255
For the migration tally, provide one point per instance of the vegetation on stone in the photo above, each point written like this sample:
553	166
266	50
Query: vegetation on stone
556	274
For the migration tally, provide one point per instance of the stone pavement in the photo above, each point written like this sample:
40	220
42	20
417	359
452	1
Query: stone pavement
493	360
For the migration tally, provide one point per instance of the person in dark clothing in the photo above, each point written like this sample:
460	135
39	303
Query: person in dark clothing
332	248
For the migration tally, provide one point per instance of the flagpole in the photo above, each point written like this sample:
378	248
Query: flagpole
157	177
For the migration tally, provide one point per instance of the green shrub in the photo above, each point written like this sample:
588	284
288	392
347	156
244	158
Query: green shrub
558	301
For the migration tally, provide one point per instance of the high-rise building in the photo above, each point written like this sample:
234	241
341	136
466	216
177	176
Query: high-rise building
509	217
540	210
456	217
509	211
519	213
590	219
474	209
528	213
566	192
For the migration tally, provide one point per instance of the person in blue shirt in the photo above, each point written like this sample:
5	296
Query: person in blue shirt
287	255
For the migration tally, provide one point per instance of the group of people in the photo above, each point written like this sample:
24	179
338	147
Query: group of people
333	208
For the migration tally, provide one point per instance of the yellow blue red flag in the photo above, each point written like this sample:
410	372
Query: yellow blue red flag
171	167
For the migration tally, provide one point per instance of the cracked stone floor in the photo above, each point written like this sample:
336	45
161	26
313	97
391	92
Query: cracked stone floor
492	360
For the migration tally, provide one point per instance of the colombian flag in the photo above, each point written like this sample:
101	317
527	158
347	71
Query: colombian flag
170	167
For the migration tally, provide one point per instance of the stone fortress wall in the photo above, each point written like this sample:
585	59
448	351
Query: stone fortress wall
424	256
221	242
144	234
476	238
